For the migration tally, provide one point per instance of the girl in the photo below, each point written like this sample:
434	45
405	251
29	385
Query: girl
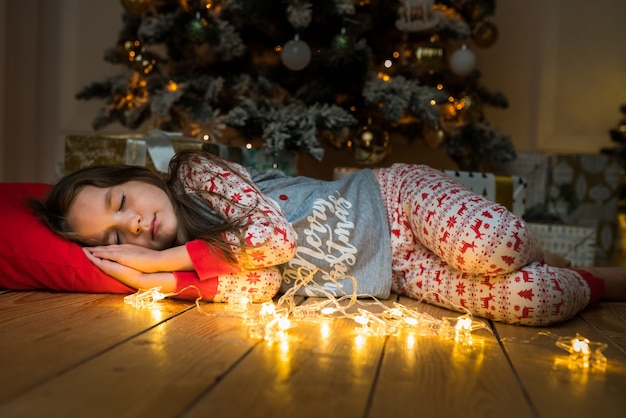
406	228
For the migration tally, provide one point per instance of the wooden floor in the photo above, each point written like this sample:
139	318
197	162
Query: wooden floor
86	355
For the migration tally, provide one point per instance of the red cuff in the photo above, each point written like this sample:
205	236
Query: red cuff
207	262
595	283
189	286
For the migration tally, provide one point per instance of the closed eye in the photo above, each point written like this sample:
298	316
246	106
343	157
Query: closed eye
118	241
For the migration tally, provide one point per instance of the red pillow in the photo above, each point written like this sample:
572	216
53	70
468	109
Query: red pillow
33	257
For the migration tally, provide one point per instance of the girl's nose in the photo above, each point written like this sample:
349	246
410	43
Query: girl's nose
134	224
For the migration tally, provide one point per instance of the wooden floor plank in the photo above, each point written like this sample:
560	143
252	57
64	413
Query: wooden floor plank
51	332
557	389
156	374
321	369
610	319
90	355
436	377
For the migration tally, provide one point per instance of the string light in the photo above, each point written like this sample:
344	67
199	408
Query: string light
145	299
584	354
271	322
237	302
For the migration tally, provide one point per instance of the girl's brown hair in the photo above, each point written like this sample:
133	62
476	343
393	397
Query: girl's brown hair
196	219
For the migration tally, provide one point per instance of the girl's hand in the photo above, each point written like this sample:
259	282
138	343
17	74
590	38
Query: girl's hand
144	259
138	258
124	274
132	277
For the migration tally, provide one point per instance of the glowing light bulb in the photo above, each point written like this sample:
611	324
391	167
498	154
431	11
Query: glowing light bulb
464	324
584	353
237	302
284	323
411	321
395	313
268	308
145	299
327	311
580	346
361	319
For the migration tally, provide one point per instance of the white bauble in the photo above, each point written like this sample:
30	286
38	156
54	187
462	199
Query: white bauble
462	61
296	55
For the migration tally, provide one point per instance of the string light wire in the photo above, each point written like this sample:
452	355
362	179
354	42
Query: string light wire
270	321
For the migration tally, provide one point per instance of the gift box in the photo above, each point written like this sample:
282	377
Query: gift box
534	167
584	191
257	158
153	150
509	191
576	243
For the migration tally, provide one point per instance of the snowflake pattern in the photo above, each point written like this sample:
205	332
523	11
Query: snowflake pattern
461	251
269	239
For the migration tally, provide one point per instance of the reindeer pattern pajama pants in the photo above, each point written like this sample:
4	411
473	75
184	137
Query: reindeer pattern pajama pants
458	250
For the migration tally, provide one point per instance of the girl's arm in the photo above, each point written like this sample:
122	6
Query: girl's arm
260	285
268	238
132	277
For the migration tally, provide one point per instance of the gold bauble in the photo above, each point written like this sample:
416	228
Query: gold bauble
434	137
370	144
485	34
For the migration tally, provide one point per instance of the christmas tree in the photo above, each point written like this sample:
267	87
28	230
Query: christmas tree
305	75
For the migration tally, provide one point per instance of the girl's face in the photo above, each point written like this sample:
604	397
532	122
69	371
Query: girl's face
130	213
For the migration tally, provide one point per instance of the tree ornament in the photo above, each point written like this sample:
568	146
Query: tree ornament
342	44
485	34
431	56
296	54
479	9
136	7
434	137
416	15
370	144
197	29
462	61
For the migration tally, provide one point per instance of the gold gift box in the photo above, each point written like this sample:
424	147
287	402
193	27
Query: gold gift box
84	150
509	191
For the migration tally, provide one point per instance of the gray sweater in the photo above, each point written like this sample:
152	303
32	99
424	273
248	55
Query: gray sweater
342	231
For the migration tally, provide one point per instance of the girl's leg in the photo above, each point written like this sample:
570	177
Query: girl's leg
536	294
468	232
459	250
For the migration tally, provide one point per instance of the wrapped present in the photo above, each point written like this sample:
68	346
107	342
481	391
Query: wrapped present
576	243
260	159
509	191
534	167
584	191
257	158
153	150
